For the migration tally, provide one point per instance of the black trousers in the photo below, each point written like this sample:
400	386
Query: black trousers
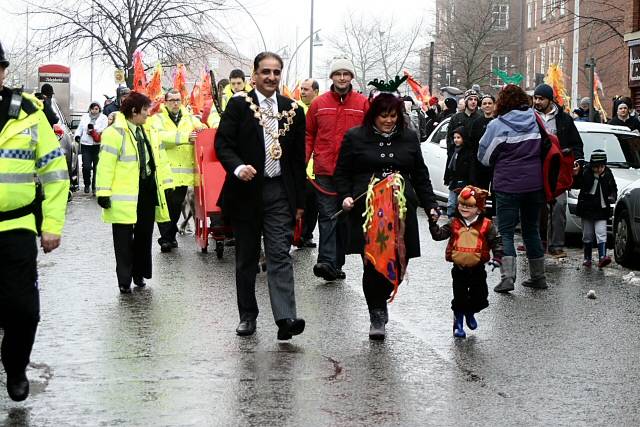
470	293
377	289
19	298
310	212
276	227
168	230
132	242
89	163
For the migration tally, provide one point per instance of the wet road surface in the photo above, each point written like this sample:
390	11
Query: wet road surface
168	354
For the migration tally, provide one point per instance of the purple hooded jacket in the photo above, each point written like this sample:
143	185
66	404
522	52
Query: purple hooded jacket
512	146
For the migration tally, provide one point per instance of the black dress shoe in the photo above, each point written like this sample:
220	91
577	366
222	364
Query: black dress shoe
246	327
125	289
325	271
18	387
341	275
139	282
174	243
307	243
289	327
165	247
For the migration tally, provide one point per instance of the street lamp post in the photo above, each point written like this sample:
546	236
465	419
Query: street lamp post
311	43
295	52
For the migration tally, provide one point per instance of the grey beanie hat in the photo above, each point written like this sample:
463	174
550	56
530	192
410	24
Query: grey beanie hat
341	63
585	100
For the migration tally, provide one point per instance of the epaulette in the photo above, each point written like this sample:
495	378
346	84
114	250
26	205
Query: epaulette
27	106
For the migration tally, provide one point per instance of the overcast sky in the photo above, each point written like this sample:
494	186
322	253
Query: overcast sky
282	23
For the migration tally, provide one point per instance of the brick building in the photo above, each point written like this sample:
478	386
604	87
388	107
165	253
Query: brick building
632	40
542	32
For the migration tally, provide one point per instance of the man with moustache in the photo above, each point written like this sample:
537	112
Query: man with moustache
260	143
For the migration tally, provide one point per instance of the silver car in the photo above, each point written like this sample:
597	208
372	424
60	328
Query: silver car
623	157
68	145
626	225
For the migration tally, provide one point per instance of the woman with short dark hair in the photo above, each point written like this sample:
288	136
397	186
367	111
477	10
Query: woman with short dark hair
381	146
133	175
512	145
88	134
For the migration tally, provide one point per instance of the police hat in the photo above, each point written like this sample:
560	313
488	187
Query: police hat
3	59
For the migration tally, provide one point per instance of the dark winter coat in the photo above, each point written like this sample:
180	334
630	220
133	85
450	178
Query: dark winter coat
568	135
632	122
589	205
460	119
482	173
464	172
365	153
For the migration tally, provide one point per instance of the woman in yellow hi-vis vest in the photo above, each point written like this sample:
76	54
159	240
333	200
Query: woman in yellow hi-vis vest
133	175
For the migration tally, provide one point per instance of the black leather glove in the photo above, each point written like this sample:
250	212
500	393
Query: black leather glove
77	138
168	193
104	202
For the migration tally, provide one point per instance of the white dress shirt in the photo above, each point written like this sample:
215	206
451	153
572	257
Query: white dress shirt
262	104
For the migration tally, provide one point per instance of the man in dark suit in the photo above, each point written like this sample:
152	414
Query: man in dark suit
260	143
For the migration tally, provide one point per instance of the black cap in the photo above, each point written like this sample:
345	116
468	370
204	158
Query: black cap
544	91
3	59
47	89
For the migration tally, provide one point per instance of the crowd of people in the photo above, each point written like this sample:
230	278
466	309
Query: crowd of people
310	160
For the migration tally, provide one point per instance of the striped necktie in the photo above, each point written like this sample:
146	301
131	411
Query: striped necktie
271	166
142	154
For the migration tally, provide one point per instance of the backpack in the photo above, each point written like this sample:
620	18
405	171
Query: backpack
557	166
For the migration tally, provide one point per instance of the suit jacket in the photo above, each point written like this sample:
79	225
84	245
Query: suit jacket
240	140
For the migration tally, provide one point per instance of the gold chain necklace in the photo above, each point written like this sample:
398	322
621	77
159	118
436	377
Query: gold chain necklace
275	150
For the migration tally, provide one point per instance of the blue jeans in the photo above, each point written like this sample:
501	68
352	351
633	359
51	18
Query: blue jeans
523	207
452	203
331	246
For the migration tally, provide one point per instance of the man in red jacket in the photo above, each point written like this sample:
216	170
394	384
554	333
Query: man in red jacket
329	117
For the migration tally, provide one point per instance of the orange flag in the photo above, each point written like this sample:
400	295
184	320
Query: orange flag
384	228
205	87
196	101
139	76
180	81
421	92
154	88
285	91
296	92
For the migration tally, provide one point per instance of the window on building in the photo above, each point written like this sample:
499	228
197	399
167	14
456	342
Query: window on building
563	7
501	16
530	14
561	54
543	10
535	13
500	62
529	71
543	59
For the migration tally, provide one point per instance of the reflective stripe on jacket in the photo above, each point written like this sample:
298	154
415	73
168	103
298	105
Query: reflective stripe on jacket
118	172
175	140
30	149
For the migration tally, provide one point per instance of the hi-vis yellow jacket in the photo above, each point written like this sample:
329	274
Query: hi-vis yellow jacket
227	94
119	170
175	140
30	149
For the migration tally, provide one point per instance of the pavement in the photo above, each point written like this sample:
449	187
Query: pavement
168	355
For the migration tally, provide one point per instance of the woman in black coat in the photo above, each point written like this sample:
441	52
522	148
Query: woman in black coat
381	146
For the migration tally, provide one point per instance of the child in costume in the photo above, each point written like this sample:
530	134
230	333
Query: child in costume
471	237
598	191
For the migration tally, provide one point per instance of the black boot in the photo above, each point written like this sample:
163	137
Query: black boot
378	317
18	386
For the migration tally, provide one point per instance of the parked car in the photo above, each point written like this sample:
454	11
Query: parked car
626	224
68	145
623	157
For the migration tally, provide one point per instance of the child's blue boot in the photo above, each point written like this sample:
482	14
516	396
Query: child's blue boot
472	323
458	328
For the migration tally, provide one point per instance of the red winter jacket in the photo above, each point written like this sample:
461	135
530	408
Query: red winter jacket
328	119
